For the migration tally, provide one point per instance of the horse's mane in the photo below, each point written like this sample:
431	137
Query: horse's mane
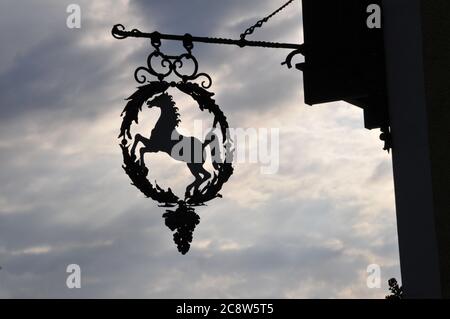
175	116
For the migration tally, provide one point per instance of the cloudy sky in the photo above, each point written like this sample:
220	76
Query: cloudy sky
308	231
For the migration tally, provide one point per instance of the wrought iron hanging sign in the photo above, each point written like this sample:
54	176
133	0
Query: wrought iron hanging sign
165	137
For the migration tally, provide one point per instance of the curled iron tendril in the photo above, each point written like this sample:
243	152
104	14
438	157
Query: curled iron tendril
288	61
118	32
171	64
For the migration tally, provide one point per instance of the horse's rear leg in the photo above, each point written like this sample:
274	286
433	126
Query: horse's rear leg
204	172
142	152
195	169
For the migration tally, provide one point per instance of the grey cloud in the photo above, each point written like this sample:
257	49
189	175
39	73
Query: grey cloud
55	74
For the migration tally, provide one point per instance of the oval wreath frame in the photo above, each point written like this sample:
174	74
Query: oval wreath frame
138	173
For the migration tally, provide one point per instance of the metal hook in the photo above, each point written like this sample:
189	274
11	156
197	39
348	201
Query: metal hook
291	55
188	43
156	40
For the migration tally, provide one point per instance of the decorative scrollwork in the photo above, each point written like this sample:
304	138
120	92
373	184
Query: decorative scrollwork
171	65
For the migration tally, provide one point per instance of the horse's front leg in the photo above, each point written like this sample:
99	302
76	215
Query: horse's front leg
137	139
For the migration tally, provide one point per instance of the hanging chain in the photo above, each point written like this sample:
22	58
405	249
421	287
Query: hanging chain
264	20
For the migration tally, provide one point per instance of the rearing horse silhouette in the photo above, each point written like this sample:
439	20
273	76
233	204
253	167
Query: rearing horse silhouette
165	138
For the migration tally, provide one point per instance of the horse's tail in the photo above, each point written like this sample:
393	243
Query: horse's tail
214	148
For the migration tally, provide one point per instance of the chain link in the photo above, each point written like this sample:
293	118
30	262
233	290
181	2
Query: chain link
264	20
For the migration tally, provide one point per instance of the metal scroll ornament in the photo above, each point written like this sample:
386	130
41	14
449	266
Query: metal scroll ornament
181	218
